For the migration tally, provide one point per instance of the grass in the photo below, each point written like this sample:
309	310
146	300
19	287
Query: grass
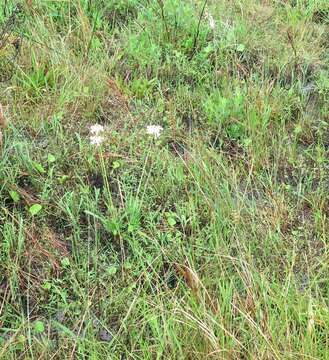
210	241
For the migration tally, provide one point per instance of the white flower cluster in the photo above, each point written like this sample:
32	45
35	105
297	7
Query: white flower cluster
211	20
96	137
96	133
154	130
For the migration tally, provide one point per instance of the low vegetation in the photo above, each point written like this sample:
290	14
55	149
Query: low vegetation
164	179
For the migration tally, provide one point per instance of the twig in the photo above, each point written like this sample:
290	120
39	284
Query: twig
196	36
5	8
291	42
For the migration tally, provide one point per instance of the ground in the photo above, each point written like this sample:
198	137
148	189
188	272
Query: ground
209	241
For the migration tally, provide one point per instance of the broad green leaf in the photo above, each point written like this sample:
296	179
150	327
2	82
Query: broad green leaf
65	262
51	158
112	227
171	218
46	285
63	179
14	195
21	338
38	167
35	208
116	164
39	327
241	48
111	270
171	221
127	265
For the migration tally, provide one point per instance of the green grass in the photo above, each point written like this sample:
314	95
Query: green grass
210	242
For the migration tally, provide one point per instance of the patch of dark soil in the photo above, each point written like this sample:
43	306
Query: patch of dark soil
306	175
303	217
166	277
253	191
25	182
3	284
95	180
187	120
309	253
316	134
105	335
114	112
321	16
286	78
109	114
10	205
248	62
176	147
120	14
285	176
232	148
111	243
61	226
169	275
115	191
309	246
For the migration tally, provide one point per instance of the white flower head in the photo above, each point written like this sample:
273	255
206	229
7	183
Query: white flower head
211	20
96	140
96	129
154	130
212	23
